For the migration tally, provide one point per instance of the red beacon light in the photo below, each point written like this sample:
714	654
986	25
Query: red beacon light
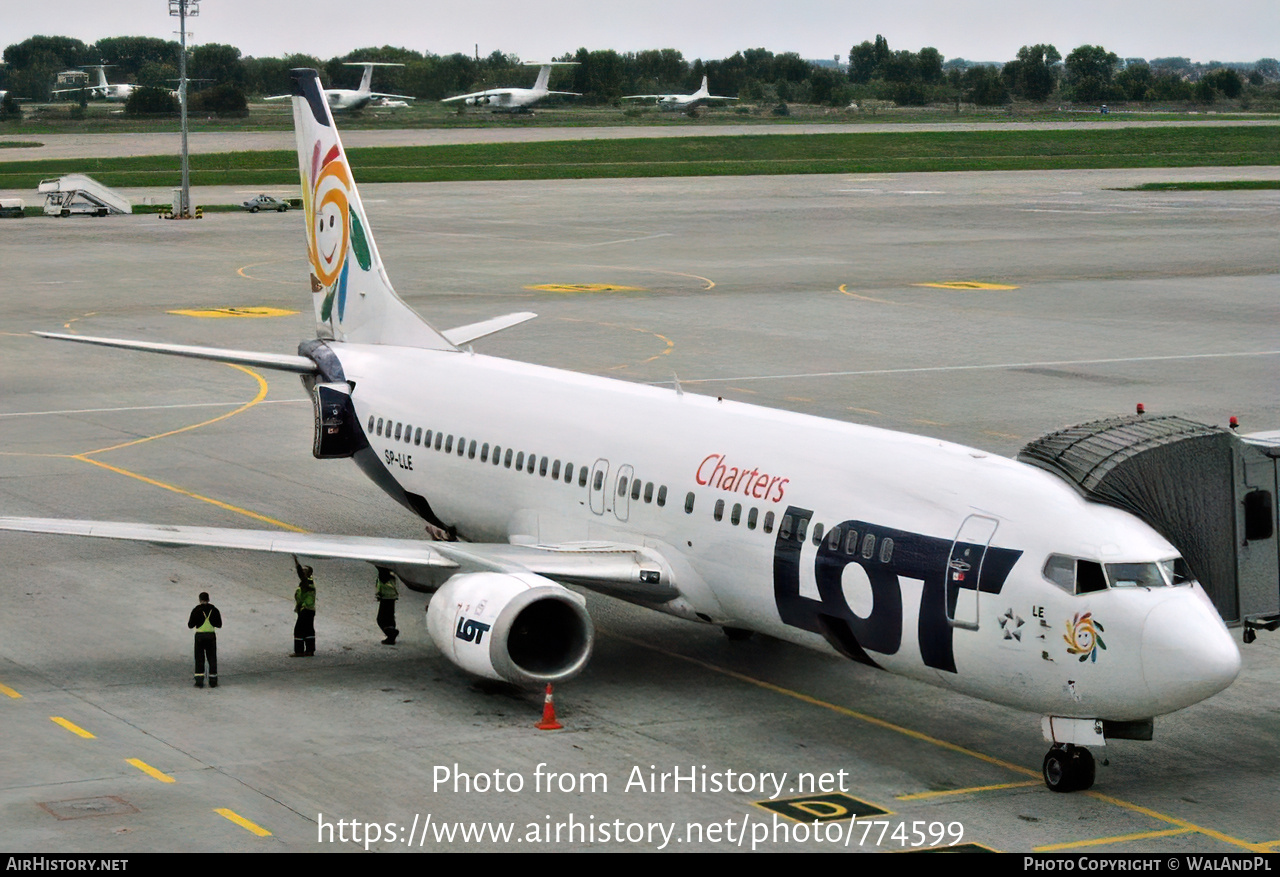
1234	422
1142	409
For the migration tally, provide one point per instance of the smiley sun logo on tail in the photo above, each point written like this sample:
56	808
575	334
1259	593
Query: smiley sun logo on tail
1084	638
334	228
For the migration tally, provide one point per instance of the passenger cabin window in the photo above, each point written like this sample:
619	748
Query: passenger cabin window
662	495
768	522
426	439
519	460
417	436
484	453
851	542
542	467
802	527
568	473
448	445
622	485
886	550
398	425
636	484
555	471
719	510
868	546
599	481
507	461
648	492
462	446
688	503
370	423
582	477
736	515
497	455
817	534
471	450
379	426
532	464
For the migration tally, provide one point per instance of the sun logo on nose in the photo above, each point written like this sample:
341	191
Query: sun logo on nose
1084	638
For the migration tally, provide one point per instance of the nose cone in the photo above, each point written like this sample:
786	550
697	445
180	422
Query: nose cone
1187	652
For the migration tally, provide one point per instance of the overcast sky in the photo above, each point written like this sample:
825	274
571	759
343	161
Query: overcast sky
983	30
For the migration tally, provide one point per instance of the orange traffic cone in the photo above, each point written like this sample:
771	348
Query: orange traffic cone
549	722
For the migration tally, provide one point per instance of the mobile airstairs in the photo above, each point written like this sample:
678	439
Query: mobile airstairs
77	193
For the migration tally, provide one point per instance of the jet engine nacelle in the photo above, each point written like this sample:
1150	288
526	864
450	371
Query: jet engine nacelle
517	627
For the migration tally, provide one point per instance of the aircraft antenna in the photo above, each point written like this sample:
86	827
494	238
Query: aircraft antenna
676	380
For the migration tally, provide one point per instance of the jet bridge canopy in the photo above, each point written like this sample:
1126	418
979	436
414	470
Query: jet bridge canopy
1210	492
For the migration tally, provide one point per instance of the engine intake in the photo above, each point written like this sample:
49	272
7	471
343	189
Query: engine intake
517	627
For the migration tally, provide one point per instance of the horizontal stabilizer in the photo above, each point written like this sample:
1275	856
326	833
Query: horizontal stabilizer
279	361
472	331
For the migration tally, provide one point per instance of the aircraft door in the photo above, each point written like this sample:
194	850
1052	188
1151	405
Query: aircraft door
964	570
622	493
596	486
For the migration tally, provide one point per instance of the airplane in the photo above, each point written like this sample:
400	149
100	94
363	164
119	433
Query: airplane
516	99
681	102
351	100
941	563
119	92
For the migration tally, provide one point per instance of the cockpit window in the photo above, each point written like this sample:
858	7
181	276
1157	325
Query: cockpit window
1077	576
1134	575
1177	572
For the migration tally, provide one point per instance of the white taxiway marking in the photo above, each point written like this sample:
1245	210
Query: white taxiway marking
959	368
148	408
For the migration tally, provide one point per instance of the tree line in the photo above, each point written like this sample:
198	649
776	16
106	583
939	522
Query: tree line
1039	73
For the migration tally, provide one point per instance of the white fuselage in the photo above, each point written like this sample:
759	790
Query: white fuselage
950	512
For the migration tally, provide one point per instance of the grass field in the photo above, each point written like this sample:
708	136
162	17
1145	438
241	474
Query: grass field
706	156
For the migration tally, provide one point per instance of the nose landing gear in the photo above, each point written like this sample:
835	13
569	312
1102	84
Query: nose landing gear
1068	768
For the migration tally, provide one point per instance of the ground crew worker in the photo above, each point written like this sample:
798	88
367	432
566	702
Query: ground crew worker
387	596
206	618
304	604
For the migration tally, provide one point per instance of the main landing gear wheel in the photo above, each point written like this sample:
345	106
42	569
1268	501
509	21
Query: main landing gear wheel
1068	768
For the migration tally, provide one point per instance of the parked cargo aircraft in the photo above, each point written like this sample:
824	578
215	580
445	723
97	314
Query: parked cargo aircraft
516	99
350	100
926	559
681	102
119	92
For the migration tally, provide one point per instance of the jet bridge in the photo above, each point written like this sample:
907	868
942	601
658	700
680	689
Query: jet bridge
78	193
1210	492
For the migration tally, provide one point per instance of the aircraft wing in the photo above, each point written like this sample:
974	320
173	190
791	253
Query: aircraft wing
650	96
278	97
395	96
490	92
620	570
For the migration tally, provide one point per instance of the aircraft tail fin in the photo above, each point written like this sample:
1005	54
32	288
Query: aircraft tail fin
544	77
366	78
353	297
704	86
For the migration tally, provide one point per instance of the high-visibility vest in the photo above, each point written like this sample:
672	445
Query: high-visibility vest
207	625
387	590
304	598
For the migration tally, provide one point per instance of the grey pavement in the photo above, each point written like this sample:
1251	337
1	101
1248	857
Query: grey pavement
789	291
